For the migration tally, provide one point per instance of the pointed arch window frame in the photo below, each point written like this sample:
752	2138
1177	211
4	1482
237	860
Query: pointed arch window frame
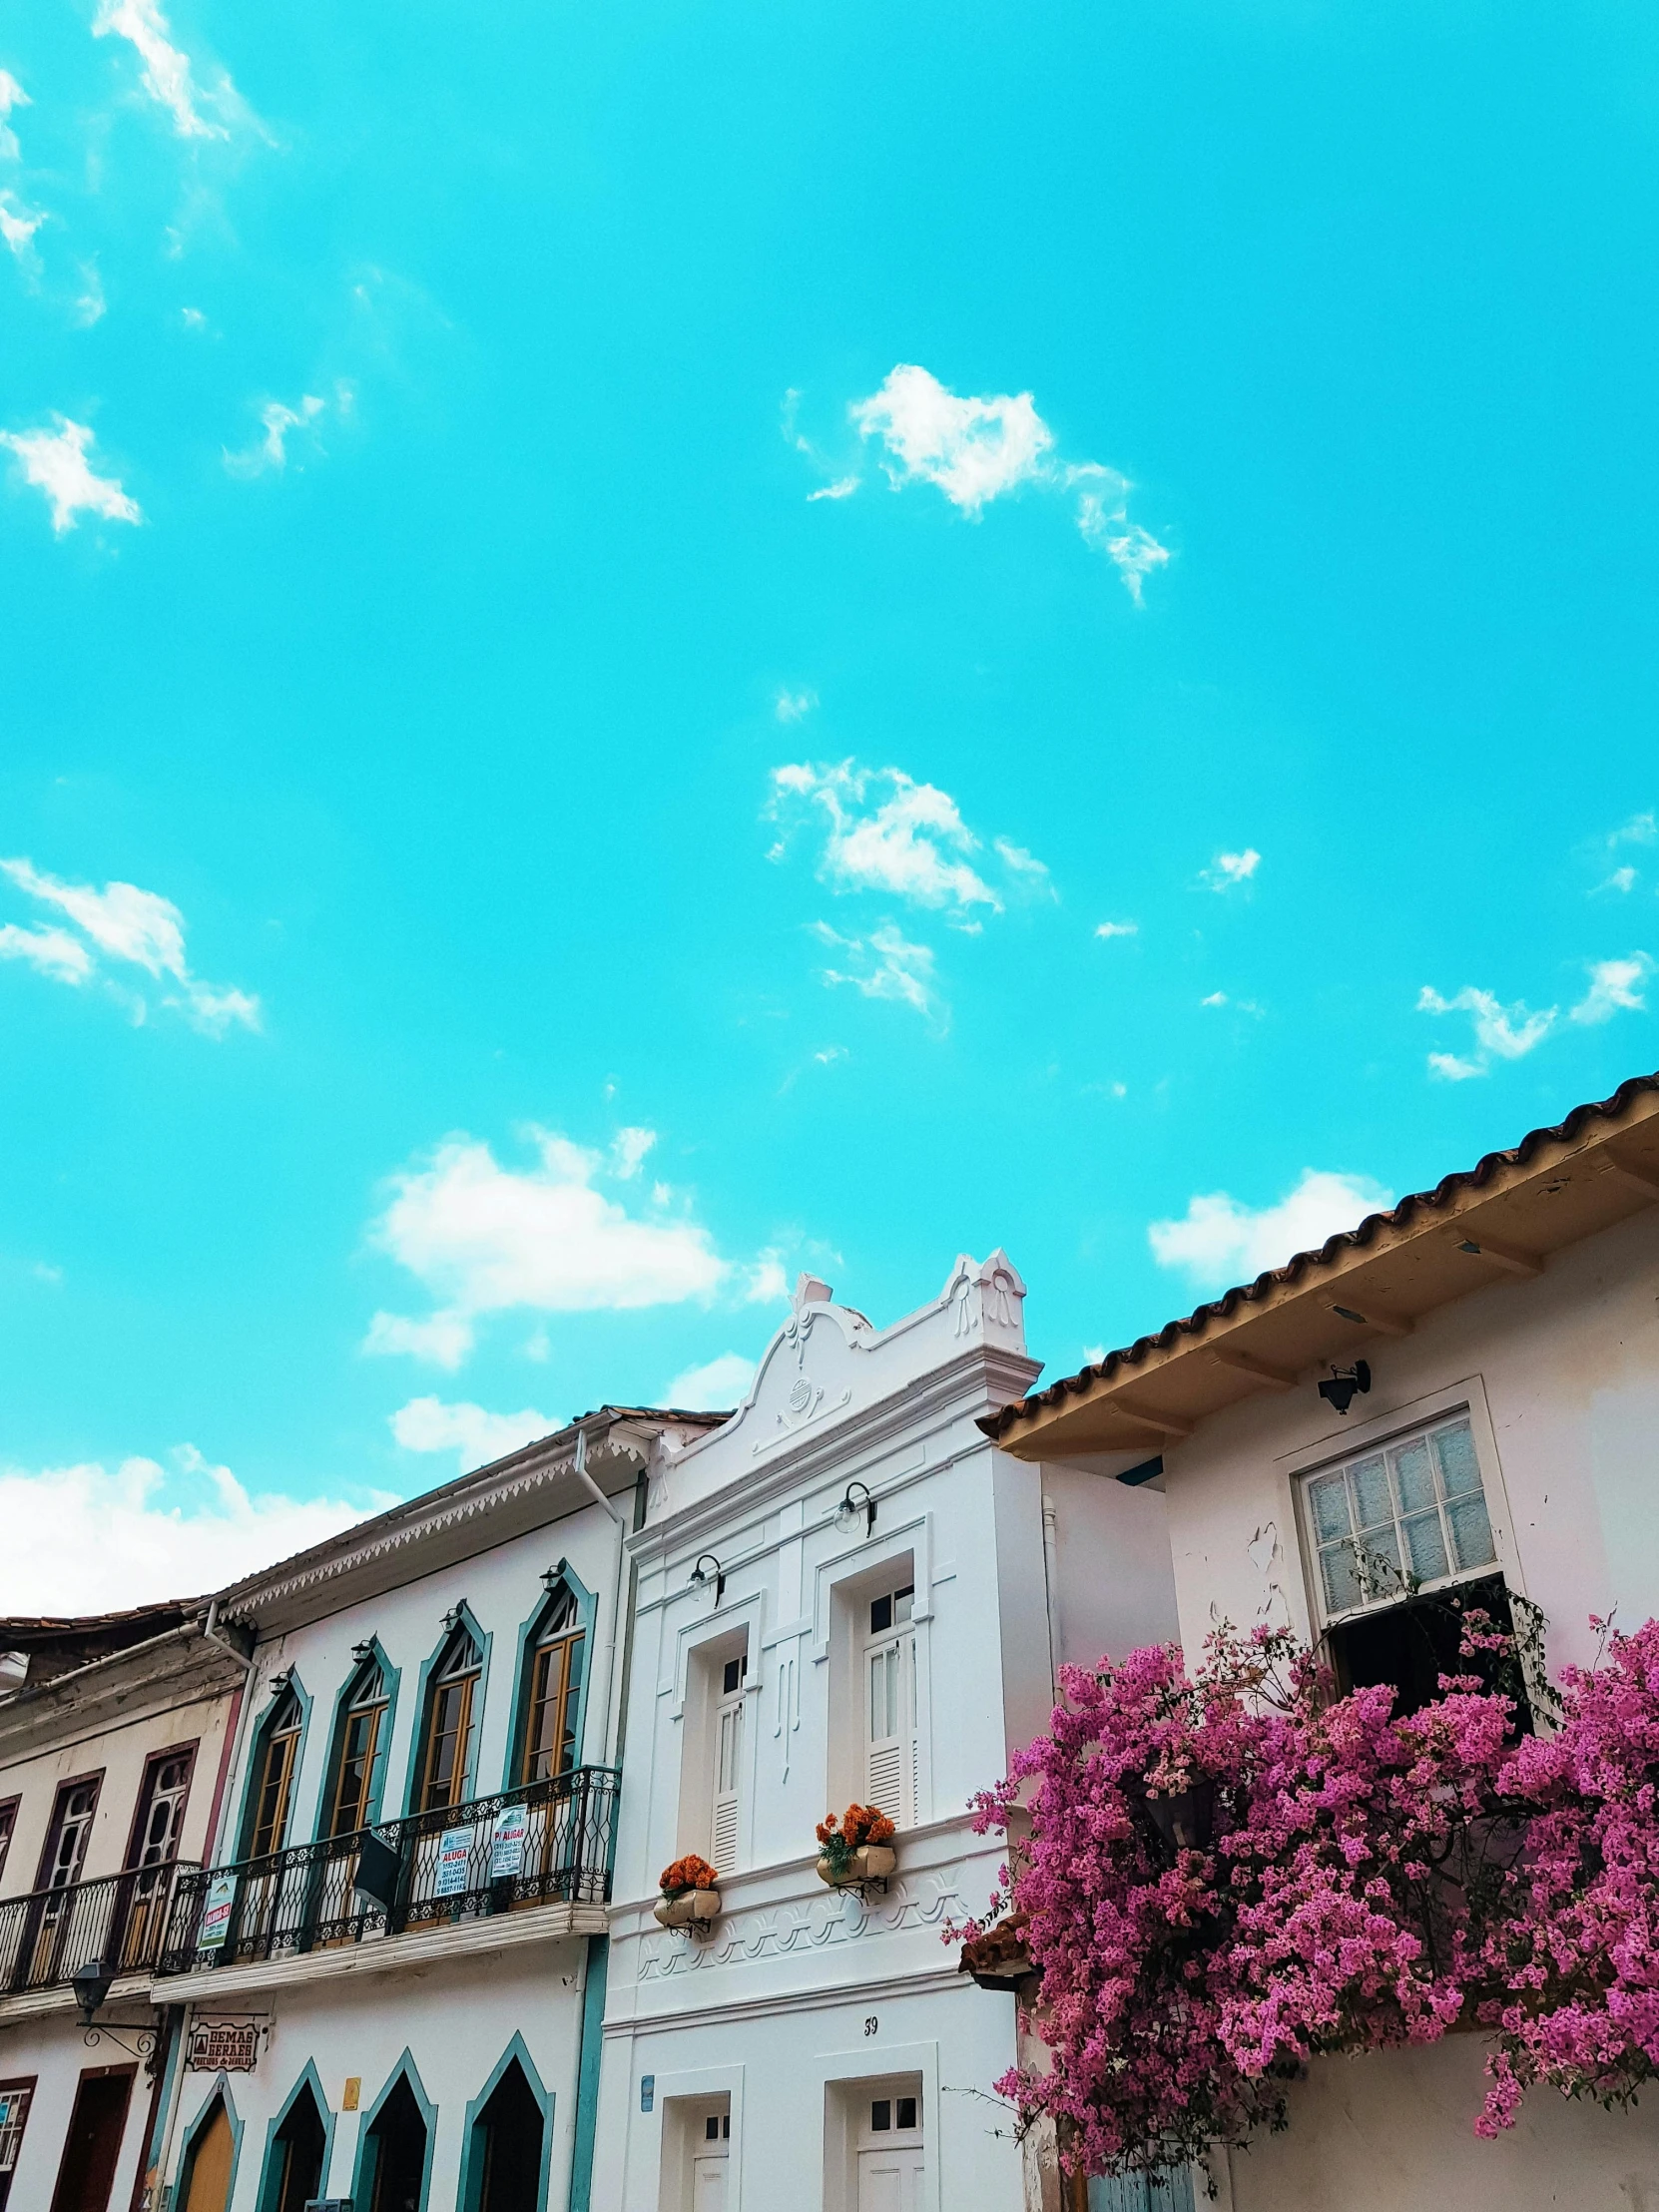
373	1812
468	1619
249	1811
363	2169
271	2167
529	1643
218	2091
472	2145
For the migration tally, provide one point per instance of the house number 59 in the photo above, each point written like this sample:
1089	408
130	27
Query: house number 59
871	2024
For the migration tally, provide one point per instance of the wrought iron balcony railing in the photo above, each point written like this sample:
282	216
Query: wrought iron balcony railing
118	1923
547	1843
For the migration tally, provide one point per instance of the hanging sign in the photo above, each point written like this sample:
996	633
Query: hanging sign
507	1840
224	2047
454	1863
216	1912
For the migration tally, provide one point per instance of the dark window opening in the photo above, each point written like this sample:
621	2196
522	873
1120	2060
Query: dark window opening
300	2142
734	1673
880	2115
398	2137
1411	1645
513	2127
906	2115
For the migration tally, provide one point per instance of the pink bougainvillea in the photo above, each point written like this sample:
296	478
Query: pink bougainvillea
1229	1874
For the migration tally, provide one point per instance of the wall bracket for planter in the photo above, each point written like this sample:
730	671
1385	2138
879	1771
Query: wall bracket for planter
691	1913
866	1870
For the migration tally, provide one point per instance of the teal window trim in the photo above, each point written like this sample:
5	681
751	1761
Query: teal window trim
220	2094
363	2173
587	1610
468	1619
390	1676
473	2148
587	2052
244	1830
272	2172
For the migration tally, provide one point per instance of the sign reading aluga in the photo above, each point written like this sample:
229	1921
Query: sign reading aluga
454	1863
216	1912
507	1841
224	2047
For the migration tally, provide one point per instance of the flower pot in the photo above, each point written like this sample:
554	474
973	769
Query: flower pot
686	1910
870	1863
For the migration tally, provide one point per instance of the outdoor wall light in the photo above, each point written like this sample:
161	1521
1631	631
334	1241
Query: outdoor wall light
360	1652
1343	1385
858	1500
91	1985
450	1618
551	1577
709	1569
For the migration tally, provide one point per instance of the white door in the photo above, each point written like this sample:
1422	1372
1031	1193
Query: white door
890	2157
711	2160
890	1707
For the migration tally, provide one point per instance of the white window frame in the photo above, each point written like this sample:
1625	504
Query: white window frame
1468	1395
898	1640
727	1732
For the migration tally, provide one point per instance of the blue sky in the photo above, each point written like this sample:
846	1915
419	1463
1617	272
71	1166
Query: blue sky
652	646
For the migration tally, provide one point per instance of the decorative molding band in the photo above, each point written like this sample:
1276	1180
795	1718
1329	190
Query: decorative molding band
939	1981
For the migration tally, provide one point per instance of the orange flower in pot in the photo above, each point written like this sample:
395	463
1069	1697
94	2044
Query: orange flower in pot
856	1847
691	1893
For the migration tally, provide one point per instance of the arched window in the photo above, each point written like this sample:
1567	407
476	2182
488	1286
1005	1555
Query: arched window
548	1738
448	1721
275	1757
360	1748
298	2154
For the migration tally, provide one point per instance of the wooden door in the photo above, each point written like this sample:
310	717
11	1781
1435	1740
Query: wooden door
93	2145
209	2165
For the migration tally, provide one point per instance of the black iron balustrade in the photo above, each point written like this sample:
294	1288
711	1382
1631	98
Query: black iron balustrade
118	1922
457	1862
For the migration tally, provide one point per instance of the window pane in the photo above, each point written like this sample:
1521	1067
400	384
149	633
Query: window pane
903	1603
1380	1562
1371	1503
881	1615
1425	1546
1327	1498
880	2115
1459	1469
1414	1476
1342	1578
1471	1532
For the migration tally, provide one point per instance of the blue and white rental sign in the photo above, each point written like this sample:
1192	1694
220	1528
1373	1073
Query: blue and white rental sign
507	1840
454	1863
216	1912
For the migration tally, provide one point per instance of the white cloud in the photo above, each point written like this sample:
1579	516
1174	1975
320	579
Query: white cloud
886	832
12	94
628	1150
974	450
1621	879
1093	1354
767	1282
1510	1032
1615	987
167	74
137	926
843	488
271	451
1117	929
713	1388
830	1054
55	462
977	449
90	305
54	951
1215	998
484	1238
18	225
192	319
1218	1241
794	706
475	1435
1227	869
85	1539
1639	830
885	966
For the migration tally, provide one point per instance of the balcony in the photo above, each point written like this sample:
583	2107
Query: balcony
325	1908
119	1923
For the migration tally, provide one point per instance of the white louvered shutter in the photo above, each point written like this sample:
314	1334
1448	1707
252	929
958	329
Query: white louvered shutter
728	1766
890	1718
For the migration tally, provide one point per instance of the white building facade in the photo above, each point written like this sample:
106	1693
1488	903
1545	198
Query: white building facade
845	1594
392	1976
1501	1438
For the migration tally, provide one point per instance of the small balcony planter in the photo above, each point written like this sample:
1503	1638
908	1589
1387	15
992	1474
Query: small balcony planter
855	1849
691	1897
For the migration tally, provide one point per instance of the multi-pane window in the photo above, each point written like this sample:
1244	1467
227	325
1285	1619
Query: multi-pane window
66	1839
14	2112
889	1660
361	1727
279	1751
162	1808
447	1742
727	1748
555	1700
1412	1511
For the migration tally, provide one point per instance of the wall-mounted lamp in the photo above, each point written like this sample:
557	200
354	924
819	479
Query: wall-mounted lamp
709	1569
858	1500
91	1985
280	1681
551	1577
1343	1385
450	1618
360	1652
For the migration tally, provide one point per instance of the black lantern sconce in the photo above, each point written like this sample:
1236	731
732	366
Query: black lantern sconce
709	1569
856	1500
1343	1385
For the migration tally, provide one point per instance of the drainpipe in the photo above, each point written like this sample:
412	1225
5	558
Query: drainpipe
593	1489
1051	1591
239	1711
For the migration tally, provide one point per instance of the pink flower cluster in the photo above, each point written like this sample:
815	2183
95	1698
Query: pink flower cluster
1230	1874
